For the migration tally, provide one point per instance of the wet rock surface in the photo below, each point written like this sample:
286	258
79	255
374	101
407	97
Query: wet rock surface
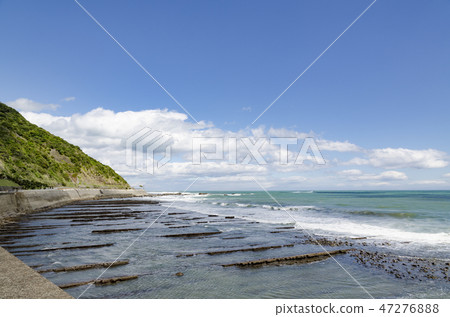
404	267
100	282
399	266
297	259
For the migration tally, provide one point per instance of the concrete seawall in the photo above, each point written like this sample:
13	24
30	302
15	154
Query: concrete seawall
13	204
17	280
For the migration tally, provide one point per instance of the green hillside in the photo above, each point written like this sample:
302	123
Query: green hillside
34	158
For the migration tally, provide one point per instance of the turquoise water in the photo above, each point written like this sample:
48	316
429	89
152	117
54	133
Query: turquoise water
414	220
403	225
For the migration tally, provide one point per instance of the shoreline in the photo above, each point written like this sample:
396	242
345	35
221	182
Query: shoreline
211	237
22	202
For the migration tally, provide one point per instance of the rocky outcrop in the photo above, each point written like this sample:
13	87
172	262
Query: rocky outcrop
298	259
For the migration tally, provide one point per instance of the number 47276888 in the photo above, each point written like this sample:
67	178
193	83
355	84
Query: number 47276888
409	308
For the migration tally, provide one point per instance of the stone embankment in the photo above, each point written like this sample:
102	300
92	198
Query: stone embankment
13	204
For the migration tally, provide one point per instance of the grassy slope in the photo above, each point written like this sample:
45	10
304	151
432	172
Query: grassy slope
34	158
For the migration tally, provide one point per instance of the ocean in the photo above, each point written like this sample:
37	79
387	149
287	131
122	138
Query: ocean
398	244
412	221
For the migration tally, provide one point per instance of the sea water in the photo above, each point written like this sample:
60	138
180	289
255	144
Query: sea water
416	221
410	224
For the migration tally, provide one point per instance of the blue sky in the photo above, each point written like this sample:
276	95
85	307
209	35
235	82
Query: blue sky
383	84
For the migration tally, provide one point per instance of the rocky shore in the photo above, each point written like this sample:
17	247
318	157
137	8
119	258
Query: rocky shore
181	243
17	280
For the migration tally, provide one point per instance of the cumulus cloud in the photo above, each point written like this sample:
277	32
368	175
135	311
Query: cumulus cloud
325	145
402	158
355	174
379	184
24	104
211	169
352	172
102	128
101	133
391	175
397	158
69	99
429	182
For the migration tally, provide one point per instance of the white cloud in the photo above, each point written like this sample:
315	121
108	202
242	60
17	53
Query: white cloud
105	128
247	109
447	175
24	104
429	182
357	175
69	99
211	169
379	184
392	175
101	133
281	133
356	161
399	158
402	158
352	172
325	145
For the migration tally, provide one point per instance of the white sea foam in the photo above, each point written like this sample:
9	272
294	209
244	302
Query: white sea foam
311	219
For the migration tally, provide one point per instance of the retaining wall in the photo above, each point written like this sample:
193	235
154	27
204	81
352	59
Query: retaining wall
13	204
